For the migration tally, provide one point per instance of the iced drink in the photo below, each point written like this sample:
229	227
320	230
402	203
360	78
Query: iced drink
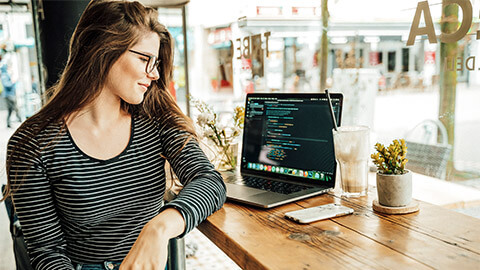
352	152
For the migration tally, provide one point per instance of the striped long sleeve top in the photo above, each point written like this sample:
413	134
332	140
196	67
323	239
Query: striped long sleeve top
74	208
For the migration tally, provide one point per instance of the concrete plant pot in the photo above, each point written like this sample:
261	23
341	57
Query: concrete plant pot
394	190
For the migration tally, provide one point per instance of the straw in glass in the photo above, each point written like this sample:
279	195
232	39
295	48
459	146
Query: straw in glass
331	110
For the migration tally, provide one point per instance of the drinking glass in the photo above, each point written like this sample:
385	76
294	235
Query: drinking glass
352	151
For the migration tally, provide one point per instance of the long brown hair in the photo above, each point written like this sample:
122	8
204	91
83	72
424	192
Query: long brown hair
105	31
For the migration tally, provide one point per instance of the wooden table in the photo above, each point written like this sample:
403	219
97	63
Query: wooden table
434	237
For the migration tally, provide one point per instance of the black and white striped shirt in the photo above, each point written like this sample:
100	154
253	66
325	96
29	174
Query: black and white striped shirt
75	208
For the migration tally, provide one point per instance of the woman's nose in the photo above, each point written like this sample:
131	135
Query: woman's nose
154	75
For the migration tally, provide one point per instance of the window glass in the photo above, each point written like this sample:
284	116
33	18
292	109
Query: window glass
172	19
425	92
19	59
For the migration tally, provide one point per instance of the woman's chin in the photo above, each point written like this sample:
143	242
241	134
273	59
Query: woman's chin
134	101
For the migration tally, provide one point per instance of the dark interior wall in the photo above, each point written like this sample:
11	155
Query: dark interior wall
60	19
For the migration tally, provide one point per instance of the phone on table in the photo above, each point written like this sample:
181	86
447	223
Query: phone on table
316	213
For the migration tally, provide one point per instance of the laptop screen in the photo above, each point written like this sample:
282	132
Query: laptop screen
290	136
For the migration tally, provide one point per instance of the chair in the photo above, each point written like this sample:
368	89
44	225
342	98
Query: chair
22	260
176	246
425	154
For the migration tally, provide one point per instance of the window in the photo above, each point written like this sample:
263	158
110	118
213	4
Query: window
279	49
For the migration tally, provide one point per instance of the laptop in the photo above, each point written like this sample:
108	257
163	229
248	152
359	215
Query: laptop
287	150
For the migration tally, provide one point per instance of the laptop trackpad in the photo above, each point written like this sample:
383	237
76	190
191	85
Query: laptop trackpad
237	191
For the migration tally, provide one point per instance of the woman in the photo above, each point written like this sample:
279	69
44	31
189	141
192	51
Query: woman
86	173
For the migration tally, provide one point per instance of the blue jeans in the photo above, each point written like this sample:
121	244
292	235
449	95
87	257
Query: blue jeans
107	265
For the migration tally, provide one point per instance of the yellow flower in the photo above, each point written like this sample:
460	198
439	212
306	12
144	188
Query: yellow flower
239	116
391	160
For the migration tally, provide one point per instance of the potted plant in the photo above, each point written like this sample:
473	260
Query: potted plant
394	182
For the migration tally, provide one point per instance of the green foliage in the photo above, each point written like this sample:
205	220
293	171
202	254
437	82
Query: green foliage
391	160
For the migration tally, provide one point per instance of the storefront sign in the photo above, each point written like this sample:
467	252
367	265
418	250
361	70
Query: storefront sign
269	11
460	63
304	11
219	36
245	46
429	30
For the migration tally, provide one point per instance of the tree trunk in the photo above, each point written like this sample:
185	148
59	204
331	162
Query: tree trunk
448	79
324	46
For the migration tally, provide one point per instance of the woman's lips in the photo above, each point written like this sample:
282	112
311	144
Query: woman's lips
145	86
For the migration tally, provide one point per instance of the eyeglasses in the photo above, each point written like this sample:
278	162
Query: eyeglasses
152	63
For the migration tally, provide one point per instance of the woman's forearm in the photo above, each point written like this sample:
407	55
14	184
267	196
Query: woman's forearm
168	223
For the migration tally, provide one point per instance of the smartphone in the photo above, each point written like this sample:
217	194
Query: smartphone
325	211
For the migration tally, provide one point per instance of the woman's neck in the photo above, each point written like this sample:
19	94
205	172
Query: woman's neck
101	130
103	112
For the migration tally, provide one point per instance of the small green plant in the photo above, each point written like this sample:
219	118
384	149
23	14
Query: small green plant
391	160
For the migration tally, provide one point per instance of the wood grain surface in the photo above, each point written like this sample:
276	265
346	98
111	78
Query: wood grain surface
264	239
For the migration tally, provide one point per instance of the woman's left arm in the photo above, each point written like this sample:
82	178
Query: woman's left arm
204	193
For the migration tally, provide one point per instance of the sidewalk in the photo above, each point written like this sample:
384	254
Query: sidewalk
398	111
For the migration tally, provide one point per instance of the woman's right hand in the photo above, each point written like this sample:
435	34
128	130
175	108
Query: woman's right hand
150	250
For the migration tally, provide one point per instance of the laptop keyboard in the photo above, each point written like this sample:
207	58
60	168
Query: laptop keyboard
270	185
